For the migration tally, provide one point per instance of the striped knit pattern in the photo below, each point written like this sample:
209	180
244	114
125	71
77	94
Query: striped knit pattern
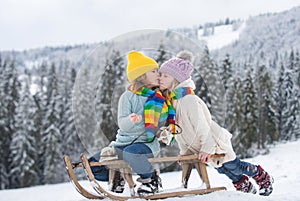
156	109
181	92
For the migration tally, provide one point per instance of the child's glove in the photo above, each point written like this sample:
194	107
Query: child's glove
165	135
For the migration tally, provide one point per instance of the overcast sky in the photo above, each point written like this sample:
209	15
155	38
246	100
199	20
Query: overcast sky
26	24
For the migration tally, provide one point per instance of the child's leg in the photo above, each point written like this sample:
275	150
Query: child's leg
236	171
100	173
237	168
186	172
137	156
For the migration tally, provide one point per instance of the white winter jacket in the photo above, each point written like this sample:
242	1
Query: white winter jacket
199	132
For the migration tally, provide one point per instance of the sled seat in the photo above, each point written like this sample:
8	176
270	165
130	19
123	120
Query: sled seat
187	162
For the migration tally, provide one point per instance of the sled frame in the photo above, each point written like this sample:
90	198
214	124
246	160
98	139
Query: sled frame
120	165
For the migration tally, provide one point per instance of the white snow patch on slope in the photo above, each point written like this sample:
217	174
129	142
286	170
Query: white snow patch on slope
223	35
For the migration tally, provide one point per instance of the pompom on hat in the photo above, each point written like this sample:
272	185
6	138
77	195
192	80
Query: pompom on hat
139	64
179	67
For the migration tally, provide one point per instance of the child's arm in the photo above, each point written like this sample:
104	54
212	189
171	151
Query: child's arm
124	111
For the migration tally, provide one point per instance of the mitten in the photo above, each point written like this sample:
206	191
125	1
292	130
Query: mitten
165	136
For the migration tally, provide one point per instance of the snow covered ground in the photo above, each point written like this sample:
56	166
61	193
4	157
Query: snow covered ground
282	163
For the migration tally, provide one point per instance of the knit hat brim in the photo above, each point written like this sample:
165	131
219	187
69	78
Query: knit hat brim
137	72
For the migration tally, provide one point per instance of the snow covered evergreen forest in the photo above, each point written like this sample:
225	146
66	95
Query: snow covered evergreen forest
258	102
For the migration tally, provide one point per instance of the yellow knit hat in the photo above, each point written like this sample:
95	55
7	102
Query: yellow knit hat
139	64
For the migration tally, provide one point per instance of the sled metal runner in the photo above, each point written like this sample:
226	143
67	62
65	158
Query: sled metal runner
120	164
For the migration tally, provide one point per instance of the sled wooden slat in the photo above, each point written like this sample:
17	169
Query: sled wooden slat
156	160
184	193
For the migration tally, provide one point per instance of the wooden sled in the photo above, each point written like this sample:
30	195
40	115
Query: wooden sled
124	168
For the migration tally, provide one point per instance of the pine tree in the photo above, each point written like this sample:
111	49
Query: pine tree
85	116
230	88
297	70
235	114
292	93
210	88
40	100
249	129
288	118
296	74
51	138
4	176
199	78
201	88
71	142
22	147
226	72
266	123
295	97
162	56
9	92
112	78
280	98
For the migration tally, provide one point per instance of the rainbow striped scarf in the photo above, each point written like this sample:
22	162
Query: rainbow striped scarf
156	109
175	95
181	92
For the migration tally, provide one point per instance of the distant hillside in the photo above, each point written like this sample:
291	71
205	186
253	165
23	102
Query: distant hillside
264	36
34	57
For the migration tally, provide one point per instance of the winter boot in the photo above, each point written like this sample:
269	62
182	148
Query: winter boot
244	185
157	180
264	181
150	185
118	183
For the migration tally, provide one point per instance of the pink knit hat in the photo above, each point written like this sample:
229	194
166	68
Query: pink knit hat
179	67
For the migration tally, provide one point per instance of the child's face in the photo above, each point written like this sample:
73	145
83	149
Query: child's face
165	81
152	77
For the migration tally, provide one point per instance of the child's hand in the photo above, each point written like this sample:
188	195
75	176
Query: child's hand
135	118
204	157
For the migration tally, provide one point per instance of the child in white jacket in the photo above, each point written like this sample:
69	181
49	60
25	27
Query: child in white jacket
200	134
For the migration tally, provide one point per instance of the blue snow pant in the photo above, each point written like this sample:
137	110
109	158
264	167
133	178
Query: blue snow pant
236	169
135	154
100	173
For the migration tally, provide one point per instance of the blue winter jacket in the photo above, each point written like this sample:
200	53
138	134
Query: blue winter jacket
128	131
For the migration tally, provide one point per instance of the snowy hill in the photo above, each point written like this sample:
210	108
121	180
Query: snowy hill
223	35
263	36
282	163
